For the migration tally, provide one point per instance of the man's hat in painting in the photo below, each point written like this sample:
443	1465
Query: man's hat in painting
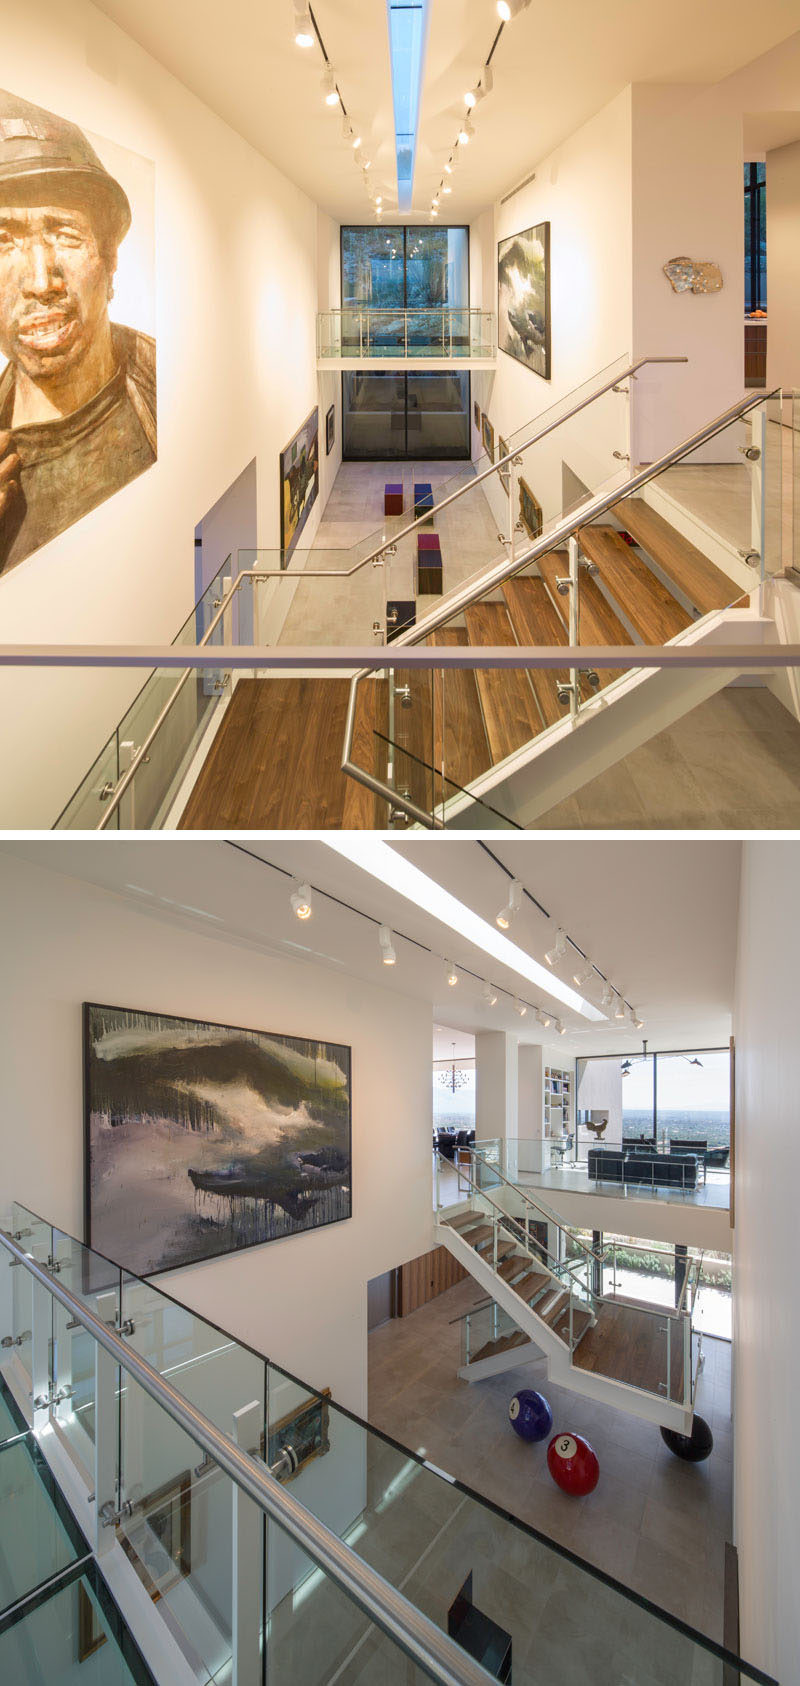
36	146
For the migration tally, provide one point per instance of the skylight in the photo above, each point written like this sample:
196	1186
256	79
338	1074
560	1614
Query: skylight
406	44
401	875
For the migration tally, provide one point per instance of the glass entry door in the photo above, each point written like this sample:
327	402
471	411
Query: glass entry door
416	416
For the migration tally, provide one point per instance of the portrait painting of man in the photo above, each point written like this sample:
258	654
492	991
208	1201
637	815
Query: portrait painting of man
77	389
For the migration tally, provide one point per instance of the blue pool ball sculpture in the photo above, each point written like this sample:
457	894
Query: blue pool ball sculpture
530	1415
573	1464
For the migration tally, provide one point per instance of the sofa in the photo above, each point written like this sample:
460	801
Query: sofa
638	1164
717	1156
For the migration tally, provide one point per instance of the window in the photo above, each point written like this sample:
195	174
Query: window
666	1099
755	238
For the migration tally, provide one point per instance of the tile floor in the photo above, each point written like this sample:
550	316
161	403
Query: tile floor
655	1523
732	762
575	1179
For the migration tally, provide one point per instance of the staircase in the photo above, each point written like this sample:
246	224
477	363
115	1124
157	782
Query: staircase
641	583
613	1350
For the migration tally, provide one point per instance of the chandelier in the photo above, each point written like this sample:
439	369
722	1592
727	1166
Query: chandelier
453	1077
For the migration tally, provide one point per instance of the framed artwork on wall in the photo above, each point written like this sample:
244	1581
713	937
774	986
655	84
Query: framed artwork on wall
330	429
502	451
487	435
523	298
299	477
95	327
530	511
202	1139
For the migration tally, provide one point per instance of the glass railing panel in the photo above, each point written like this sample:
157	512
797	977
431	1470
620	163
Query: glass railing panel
315	1634
487	1331
87	806
180	706
176	1527
75	1634
212	1370
25	1296
37	1536
448	332
96	1283
301	609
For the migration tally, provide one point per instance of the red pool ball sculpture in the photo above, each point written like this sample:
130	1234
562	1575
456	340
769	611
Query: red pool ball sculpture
573	1465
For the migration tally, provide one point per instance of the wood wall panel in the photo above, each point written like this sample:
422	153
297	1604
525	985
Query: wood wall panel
423	1279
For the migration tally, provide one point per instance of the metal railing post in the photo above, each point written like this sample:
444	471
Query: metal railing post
669	1356
574	588
246	1574
107	1440
41	1337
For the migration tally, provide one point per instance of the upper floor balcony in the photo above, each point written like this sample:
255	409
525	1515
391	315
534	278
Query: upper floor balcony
419	337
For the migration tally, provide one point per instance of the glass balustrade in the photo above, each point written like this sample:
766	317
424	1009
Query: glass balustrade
360	332
226	1583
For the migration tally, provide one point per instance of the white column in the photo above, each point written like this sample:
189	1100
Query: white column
535	1155
496	1082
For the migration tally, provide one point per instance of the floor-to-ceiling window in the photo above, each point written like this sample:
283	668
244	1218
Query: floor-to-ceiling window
395	282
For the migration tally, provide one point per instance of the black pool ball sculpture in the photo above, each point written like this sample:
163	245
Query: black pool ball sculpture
694	1447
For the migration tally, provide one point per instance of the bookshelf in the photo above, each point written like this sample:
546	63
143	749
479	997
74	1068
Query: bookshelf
558	1092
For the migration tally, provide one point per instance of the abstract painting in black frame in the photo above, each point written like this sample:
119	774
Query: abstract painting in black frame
203	1138
523	298
299	475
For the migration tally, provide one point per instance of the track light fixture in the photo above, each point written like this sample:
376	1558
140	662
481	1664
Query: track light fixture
583	974
507	913
508	10
300	901
470	99
619	1010
560	1027
520	1007
607	998
489	995
543	1018
356	141
446	189
452	975
484	87
434	203
303	27
388	955
558	949
449	167
330	92
466	132
638	1024
366	164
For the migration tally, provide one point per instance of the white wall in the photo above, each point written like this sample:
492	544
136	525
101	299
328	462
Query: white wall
303	1300
236	296
766	1348
783	266
583	190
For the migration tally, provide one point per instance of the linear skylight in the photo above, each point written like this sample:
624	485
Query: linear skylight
406	44
382	862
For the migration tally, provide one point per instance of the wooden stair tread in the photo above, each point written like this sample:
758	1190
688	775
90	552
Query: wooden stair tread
510	714
705	585
460	745
505	1251
581	1321
535	621
551	1308
530	1284
597	622
511	1265
476	1237
646	602
461	1221
275	763
503	1344
628	1344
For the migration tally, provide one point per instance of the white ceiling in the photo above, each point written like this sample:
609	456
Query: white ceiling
554	67
659	918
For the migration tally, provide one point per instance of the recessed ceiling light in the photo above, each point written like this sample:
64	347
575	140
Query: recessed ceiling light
384	863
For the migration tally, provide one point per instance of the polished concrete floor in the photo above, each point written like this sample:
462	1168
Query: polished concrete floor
731	763
655	1523
575	1179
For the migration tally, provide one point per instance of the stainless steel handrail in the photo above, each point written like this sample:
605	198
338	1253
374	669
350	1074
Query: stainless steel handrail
462	596
434	1652
507	1218
486	473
